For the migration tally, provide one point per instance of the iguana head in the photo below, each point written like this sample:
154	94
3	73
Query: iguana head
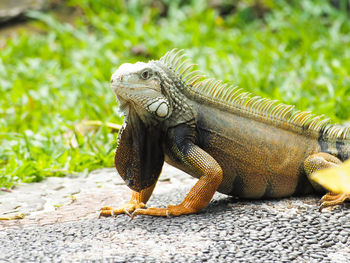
139	86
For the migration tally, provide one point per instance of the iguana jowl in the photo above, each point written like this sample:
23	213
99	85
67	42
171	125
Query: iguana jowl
231	141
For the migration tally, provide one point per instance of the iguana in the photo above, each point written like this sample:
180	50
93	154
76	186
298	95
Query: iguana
233	142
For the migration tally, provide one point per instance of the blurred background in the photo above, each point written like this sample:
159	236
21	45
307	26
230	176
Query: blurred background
56	59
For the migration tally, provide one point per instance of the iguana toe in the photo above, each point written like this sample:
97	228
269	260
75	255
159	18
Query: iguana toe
172	210
151	211
128	208
331	199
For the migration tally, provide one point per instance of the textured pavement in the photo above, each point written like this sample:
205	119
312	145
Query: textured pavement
63	226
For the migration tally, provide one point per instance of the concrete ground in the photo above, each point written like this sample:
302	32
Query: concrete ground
61	224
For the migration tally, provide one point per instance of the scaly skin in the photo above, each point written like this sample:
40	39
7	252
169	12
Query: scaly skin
230	146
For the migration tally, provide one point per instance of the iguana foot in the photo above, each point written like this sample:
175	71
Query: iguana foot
332	199
172	210
128	208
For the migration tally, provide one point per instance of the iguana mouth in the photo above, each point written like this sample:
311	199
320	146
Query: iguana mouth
124	106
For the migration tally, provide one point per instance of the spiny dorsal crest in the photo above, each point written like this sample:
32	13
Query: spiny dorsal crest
228	96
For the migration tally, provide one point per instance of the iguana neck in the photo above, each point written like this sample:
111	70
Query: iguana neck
174	88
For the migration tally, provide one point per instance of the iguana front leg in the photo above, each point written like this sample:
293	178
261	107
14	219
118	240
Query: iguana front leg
201	163
321	161
138	200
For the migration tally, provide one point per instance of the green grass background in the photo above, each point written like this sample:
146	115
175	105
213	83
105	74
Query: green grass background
57	74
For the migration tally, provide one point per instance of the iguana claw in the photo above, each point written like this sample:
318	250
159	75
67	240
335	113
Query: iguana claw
127	212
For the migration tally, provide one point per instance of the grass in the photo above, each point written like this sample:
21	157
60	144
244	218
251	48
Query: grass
56	77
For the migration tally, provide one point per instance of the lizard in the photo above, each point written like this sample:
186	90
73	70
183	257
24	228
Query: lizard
232	141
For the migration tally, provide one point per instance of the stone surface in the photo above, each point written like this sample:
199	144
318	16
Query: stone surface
71	198
12	8
228	230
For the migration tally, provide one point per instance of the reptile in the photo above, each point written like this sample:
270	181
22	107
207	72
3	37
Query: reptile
232	141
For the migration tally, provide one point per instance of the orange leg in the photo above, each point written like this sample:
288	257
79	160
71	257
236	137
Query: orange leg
201	193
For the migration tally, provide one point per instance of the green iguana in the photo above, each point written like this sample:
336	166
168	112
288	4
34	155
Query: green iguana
233	142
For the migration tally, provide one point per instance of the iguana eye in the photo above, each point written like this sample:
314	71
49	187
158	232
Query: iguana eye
146	74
